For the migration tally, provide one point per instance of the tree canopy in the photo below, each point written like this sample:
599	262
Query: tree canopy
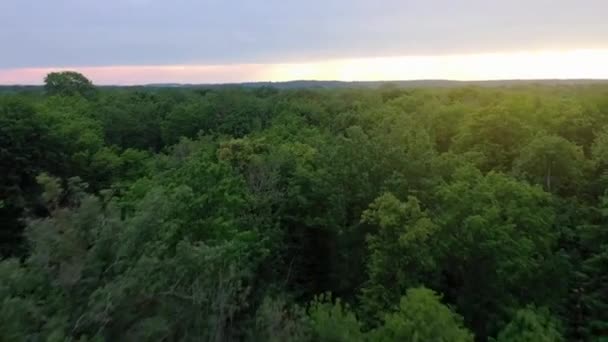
262	214
68	83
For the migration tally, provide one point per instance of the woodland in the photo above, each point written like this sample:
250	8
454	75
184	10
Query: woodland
261	214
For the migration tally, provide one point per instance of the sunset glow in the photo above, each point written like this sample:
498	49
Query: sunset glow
589	63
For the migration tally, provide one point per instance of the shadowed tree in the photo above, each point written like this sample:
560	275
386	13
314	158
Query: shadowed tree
531	325
68	83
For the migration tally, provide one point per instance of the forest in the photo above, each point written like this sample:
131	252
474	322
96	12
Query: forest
261	214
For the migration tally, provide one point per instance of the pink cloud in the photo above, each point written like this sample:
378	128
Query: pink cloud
124	75
590	63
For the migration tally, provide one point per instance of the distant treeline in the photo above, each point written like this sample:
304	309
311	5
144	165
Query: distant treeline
303	84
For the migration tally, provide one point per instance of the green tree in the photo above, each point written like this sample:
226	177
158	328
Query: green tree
177	266
531	325
18	165
421	317
552	161
402	250
133	119
68	83
28	146
78	136
599	160
497	133
599	151
275	321
187	120
333	322
498	239
591	286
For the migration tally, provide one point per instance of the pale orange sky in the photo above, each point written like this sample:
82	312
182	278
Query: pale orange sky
219	41
581	63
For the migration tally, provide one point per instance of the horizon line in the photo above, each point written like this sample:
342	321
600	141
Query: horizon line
379	81
521	65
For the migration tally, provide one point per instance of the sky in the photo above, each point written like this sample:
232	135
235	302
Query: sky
217	41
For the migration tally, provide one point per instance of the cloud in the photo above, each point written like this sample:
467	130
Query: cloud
520	65
71	33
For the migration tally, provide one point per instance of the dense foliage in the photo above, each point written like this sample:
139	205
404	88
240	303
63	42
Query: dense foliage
258	214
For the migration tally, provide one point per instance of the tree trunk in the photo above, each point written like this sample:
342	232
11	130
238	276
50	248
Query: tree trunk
548	177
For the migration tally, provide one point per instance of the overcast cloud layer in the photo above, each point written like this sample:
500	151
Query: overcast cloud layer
56	33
